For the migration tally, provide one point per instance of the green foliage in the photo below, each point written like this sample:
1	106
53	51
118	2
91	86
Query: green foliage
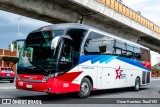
10	60
156	68
15	47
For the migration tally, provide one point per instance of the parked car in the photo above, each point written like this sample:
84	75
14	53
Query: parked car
7	74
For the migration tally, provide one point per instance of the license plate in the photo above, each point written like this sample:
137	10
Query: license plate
28	86
8	74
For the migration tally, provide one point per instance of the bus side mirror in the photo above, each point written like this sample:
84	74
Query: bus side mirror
55	42
11	47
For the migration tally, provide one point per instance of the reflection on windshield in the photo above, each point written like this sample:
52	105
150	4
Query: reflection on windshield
37	53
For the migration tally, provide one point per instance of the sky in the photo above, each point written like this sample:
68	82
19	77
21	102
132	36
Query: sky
9	22
148	8
9	27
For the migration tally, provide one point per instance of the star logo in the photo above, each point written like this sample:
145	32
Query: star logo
118	72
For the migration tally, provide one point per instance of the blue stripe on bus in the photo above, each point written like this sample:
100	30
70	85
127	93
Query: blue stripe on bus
97	59
109	58
105	58
87	58
132	62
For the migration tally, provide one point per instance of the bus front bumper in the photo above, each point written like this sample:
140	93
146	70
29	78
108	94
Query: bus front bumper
53	85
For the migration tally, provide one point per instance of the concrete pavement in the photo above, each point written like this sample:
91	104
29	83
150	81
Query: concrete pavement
155	78
150	91
4	85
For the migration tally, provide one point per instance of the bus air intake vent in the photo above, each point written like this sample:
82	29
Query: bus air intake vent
144	77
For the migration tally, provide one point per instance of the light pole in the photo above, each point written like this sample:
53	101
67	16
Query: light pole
18	33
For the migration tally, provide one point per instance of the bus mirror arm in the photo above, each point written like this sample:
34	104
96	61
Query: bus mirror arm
57	39
55	42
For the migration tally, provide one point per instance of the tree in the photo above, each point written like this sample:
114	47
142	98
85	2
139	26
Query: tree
15	47
10	60
156	68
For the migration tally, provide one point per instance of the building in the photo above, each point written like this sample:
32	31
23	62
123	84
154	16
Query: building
4	52
156	70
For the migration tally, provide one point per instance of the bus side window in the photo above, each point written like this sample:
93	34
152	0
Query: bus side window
145	55
66	59
120	49
92	44
77	36
137	53
138	56
129	51
66	53
102	49
98	44
129	54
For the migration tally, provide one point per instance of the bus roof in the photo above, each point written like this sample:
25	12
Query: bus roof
64	26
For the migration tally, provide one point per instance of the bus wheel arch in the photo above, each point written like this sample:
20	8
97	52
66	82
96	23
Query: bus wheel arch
85	87
90	79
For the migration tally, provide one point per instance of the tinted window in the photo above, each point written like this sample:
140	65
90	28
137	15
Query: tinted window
77	36
137	53
6	69
145	55
37	51
71	49
2	69
118	52
98	44
130	53
120	49
129	48
120	45
66	59
57	32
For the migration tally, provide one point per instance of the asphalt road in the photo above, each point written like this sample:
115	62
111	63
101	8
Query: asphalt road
7	90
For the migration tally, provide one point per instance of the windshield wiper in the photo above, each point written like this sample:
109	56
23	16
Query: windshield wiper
35	66
42	68
31	67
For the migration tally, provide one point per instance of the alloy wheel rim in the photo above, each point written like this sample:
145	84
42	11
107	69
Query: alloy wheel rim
84	88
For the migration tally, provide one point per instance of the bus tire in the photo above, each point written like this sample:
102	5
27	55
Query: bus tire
137	84
85	88
11	81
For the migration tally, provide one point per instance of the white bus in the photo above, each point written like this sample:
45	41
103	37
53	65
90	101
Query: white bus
73	57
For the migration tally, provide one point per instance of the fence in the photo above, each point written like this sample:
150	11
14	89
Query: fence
136	16
6	53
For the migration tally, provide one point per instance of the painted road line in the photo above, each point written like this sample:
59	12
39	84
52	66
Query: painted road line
7	88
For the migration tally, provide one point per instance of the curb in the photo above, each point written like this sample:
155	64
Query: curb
155	79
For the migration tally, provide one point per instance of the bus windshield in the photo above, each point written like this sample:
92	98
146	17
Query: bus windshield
36	55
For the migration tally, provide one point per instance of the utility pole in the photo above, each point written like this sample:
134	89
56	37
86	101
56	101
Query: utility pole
18	33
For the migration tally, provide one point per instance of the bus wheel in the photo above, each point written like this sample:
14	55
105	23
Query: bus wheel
85	88
11	81
137	84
